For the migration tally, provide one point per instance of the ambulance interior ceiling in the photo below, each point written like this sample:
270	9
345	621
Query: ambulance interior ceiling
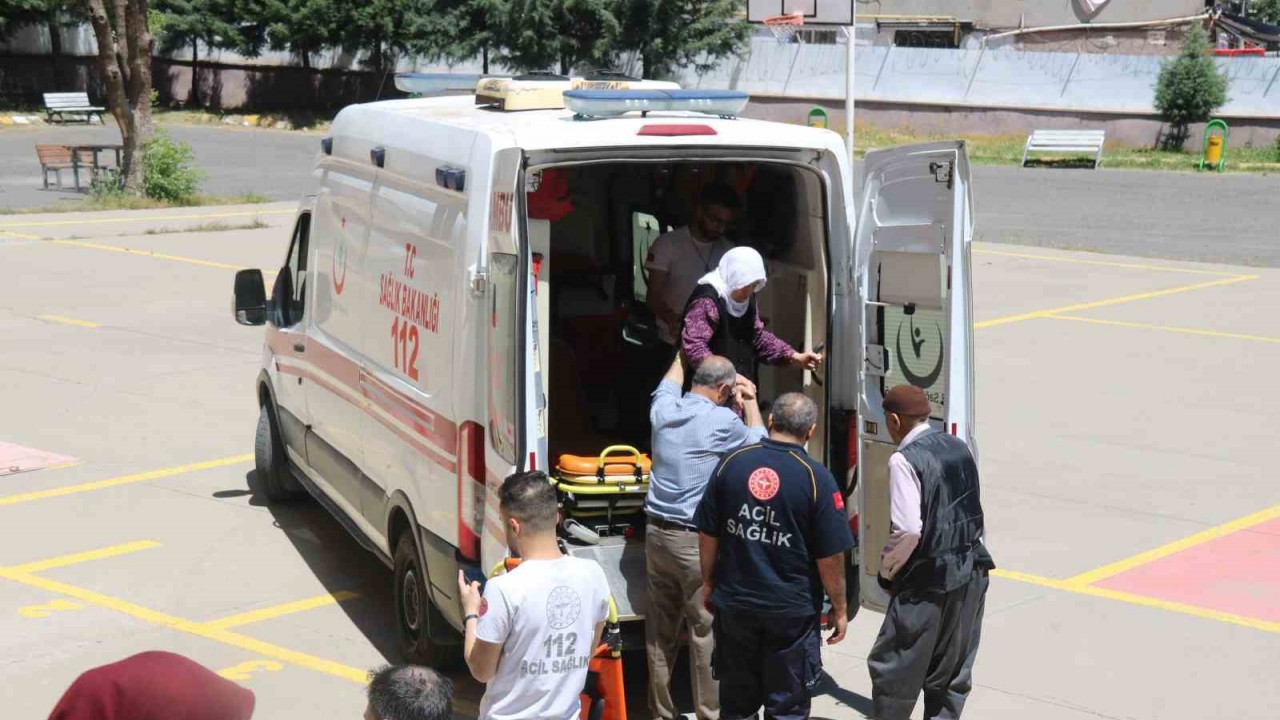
598	222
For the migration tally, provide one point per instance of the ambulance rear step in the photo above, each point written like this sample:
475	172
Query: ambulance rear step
624	568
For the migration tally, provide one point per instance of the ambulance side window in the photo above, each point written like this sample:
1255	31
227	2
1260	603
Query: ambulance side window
298	268
504	316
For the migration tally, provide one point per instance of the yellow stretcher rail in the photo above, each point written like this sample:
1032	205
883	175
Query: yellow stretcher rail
510	564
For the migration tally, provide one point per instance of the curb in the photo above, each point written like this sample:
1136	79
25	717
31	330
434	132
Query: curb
20	119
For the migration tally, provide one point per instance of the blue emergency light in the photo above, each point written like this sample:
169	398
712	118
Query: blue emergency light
612	103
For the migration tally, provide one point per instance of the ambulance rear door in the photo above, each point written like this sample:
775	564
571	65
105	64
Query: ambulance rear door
506	384
913	275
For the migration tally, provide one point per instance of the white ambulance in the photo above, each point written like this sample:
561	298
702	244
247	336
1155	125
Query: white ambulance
464	298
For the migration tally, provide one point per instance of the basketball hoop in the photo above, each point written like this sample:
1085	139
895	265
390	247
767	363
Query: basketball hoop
785	27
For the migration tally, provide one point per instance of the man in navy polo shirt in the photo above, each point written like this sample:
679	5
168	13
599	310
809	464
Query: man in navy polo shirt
773	534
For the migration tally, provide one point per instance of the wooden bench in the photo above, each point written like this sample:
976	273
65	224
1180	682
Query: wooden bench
57	158
1067	141
70	103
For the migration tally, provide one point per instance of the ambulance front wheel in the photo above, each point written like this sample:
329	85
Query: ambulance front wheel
275	481
419	625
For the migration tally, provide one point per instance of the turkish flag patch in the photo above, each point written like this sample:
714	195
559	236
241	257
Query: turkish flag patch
484	607
839	500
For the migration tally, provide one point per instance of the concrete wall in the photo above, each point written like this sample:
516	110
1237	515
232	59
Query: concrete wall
1131	130
1033	13
23	78
973	78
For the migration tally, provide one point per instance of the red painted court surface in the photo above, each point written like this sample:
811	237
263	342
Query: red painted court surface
16	459
1237	573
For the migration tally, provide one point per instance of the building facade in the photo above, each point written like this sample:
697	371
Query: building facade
1130	27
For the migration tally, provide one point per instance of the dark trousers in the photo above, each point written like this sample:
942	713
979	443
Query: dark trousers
766	660
928	642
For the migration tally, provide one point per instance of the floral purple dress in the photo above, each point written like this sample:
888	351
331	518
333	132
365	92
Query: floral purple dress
700	321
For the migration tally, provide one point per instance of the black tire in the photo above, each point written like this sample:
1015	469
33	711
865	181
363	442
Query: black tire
418	623
274	477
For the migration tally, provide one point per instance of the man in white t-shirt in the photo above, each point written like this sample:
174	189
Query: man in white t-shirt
531	636
679	258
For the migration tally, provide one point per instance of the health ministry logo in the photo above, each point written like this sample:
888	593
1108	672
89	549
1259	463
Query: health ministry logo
910	364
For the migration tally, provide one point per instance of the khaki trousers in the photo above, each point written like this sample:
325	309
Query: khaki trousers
675	600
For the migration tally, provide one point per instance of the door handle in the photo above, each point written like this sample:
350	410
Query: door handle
299	347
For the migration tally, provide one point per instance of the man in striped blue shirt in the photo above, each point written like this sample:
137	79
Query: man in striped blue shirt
691	433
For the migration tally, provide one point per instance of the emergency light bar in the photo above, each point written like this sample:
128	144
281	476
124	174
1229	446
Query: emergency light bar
546	92
612	103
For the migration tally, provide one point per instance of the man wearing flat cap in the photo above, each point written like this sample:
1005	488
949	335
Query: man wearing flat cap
934	567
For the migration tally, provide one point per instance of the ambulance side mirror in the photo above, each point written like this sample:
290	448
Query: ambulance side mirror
250	299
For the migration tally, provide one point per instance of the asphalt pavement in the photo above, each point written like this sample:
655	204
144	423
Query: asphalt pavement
1228	218
1122	432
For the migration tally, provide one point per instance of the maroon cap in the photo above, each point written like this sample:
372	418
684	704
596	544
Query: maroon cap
907	400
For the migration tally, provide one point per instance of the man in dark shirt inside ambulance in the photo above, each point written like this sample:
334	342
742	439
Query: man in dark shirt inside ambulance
773	534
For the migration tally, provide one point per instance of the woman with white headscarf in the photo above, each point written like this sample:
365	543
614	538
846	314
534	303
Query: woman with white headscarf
721	319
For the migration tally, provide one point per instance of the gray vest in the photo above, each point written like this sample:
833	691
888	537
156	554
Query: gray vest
950	549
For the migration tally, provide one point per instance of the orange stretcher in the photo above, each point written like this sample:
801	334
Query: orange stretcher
631	466
614	483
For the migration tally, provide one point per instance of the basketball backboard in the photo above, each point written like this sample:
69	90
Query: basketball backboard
816	12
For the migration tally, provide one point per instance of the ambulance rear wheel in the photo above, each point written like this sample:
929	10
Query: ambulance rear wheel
419	624
275	481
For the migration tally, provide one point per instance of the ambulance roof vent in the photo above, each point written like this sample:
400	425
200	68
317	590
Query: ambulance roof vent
592	104
547	92
427	84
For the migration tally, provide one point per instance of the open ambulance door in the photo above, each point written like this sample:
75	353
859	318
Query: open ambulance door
914	284
500	280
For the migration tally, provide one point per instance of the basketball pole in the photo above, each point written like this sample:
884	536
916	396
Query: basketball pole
848	81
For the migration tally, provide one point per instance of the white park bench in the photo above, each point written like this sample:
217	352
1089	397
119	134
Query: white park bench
1066	141
70	103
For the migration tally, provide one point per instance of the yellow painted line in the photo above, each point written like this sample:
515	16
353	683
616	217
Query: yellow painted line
146	253
64	466
1169	328
1142	600
1213	533
143	219
276	611
20	236
68	321
76	558
123	480
155	617
1183	608
1028	578
1104	263
44	611
245	670
1078	307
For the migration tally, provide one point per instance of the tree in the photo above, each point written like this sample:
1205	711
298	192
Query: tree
382	27
1267	11
668	34
303	27
1190	87
457	30
568	34
16	13
124	62
179	23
